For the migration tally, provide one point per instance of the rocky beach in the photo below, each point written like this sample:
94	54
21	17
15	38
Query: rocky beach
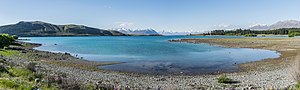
265	74
149	45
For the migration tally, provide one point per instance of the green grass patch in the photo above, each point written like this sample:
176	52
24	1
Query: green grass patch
20	80
88	86
8	52
6	83
4	75
15	84
19	72
297	86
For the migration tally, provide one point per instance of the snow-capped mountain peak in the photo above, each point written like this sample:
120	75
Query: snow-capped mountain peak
278	25
137	31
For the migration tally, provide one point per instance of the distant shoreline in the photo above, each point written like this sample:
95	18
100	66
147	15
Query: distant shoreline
88	35
91	64
237	35
241	67
255	43
260	77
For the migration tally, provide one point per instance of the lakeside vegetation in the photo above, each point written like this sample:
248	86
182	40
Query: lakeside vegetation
19	71
6	40
291	32
14	76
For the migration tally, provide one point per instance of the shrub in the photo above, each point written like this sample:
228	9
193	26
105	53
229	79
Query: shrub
15	37
250	35
6	40
293	34
224	79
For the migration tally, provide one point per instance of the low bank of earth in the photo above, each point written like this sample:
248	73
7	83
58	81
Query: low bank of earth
265	74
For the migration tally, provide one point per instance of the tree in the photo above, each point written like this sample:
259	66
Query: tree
293	33
282	31
6	40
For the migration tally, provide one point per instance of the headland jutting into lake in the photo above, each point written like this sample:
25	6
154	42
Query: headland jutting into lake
265	74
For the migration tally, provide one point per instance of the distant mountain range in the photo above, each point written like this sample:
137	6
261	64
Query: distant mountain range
138	31
278	25
178	33
38	28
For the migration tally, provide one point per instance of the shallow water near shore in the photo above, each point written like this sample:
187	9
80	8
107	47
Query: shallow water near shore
154	54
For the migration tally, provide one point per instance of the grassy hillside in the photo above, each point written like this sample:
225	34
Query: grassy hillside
38	28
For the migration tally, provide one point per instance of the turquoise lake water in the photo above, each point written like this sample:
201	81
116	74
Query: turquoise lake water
154	54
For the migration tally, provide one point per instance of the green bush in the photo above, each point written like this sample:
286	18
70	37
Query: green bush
224	79
6	40
250	35
293	34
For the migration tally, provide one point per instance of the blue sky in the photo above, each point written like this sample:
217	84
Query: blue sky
168	15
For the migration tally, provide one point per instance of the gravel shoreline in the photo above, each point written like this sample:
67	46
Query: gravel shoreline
279	78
